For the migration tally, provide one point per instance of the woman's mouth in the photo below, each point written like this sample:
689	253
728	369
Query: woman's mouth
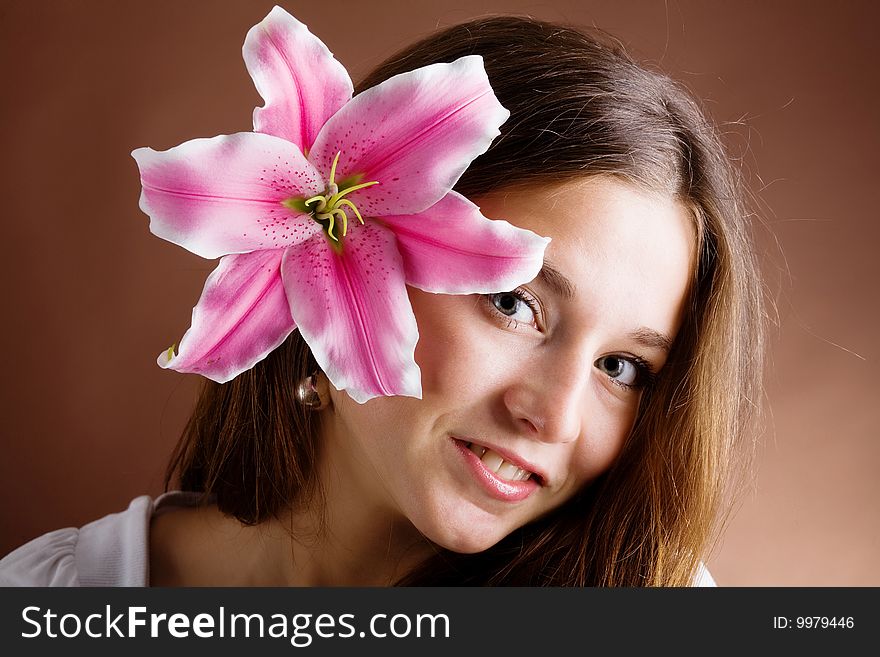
495	463
500	477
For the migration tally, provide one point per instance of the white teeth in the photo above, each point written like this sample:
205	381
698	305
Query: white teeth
507	471
494	462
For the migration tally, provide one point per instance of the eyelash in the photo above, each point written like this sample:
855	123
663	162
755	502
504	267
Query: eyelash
522	295
646	376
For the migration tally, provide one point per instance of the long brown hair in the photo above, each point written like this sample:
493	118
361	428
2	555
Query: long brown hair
580	106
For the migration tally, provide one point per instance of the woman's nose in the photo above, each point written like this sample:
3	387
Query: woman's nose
548	402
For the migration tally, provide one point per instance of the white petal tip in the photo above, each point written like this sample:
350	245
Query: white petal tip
166	358
139	154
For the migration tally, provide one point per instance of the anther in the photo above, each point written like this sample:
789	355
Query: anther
327	206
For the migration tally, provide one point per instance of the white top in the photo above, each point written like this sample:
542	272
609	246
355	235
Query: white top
113	551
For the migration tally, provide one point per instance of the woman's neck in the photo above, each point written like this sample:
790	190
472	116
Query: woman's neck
351	546
342	538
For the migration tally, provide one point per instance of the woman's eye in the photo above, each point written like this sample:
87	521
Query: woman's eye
621	370
514	306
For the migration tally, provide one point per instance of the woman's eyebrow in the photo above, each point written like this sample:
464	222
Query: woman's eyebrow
651	338
556	280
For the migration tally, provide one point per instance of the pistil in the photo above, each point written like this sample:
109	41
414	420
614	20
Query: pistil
328	207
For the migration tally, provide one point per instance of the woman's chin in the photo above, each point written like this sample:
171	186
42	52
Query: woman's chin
465	536
467	545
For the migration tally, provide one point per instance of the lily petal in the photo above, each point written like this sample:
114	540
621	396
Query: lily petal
298	77
352	308
415	133
241	316
223	195
451	248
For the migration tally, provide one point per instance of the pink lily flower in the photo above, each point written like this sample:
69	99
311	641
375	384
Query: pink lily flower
325	213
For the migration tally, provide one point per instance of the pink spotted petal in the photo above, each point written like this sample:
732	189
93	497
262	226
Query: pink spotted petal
297	76
415	133
353	311
223	195
451	248
241	316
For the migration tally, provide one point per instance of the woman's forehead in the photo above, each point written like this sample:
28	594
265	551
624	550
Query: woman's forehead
613	245
588	215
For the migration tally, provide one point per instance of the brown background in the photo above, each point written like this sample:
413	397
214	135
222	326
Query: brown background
90	297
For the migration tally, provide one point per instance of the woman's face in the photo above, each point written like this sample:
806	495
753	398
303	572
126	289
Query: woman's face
529	394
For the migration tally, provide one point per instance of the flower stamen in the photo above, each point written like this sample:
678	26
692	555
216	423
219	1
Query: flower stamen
345	201
328	206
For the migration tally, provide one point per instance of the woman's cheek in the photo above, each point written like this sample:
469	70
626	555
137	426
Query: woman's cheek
452	364
455	350
605	433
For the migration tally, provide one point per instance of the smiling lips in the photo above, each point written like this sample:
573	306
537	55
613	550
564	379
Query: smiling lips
501	478
495	463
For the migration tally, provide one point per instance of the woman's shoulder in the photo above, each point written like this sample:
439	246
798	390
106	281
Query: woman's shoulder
199	545
111	551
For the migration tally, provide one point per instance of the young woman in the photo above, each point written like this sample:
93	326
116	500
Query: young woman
580	428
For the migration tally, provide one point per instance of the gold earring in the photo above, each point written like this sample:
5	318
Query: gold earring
308	395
